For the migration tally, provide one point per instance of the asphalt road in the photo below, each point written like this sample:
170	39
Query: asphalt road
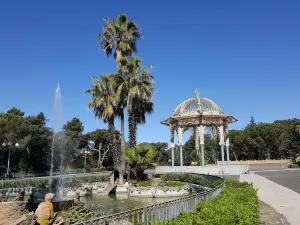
289	178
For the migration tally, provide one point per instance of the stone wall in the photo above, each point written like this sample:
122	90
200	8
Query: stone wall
249	162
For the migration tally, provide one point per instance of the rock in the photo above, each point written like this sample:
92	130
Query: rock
120	222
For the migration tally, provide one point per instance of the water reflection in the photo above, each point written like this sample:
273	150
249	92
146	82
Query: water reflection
121	202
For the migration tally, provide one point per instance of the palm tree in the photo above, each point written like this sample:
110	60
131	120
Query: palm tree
140	158
119	37
105	106
134	91
103	101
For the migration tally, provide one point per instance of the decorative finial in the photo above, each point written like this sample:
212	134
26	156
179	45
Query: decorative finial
197	93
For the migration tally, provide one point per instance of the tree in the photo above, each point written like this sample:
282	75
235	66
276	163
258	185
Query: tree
162	152
72	132
99	141
105	107
33	137
103	101
119	37
134	89
140	158
74	129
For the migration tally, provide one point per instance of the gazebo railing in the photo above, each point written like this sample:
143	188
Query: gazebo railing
160	211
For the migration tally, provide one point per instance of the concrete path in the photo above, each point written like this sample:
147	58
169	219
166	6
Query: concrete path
282	199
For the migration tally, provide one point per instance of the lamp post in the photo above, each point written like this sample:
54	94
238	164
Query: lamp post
9	144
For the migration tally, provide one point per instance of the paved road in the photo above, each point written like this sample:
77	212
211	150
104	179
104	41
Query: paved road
289	178
262	167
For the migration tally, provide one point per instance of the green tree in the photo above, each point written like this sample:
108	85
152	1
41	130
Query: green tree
33	137
134	89
140	158
101	146
161	148
105	107
73	142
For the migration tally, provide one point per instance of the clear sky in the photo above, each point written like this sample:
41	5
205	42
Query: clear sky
244	55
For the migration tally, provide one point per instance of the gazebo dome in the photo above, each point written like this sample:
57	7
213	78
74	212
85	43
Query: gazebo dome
196	106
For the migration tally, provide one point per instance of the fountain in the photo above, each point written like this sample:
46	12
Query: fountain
59	144
57	125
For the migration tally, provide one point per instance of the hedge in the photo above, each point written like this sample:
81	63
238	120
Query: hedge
293	166
236	205
44	182
199	179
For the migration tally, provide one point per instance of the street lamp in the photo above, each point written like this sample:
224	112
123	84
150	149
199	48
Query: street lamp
9	144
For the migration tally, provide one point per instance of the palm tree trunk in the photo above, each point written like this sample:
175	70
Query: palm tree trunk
116	150
123	165
132	129
122	133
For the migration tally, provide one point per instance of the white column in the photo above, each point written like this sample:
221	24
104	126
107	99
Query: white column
222	143
197	145
201	134
172	145
227	150
180	131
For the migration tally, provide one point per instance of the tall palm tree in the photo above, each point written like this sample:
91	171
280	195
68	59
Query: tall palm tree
103	101
119	37
105	106
134	90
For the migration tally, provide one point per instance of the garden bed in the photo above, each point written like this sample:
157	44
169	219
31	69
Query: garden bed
237	204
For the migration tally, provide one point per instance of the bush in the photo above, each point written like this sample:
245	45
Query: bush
206	162
173	184
199	179
145	183
293	166
44	182
237	204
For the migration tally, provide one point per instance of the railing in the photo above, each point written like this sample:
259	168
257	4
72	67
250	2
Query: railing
161	211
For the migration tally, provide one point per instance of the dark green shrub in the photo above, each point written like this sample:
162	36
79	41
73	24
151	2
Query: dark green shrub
145	183
237	204
44	182
174	184
293	166
199	179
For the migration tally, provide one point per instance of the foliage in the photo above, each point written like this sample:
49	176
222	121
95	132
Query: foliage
199	179
34	138
134	90
206	162
293	166
44	182
173	184
119	37
145	183
163	153
189	150
80	212
237	204
280	139
140	158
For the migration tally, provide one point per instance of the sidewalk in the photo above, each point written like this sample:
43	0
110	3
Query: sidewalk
282	199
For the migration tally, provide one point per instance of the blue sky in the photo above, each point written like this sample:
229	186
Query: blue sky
244	55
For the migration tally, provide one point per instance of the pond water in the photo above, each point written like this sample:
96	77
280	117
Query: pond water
116	203
121	202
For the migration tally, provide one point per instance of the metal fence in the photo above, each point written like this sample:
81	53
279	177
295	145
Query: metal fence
161	211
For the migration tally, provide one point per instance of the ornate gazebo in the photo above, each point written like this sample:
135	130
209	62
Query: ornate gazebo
199	113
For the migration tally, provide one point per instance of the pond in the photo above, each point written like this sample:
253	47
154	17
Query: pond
121	202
